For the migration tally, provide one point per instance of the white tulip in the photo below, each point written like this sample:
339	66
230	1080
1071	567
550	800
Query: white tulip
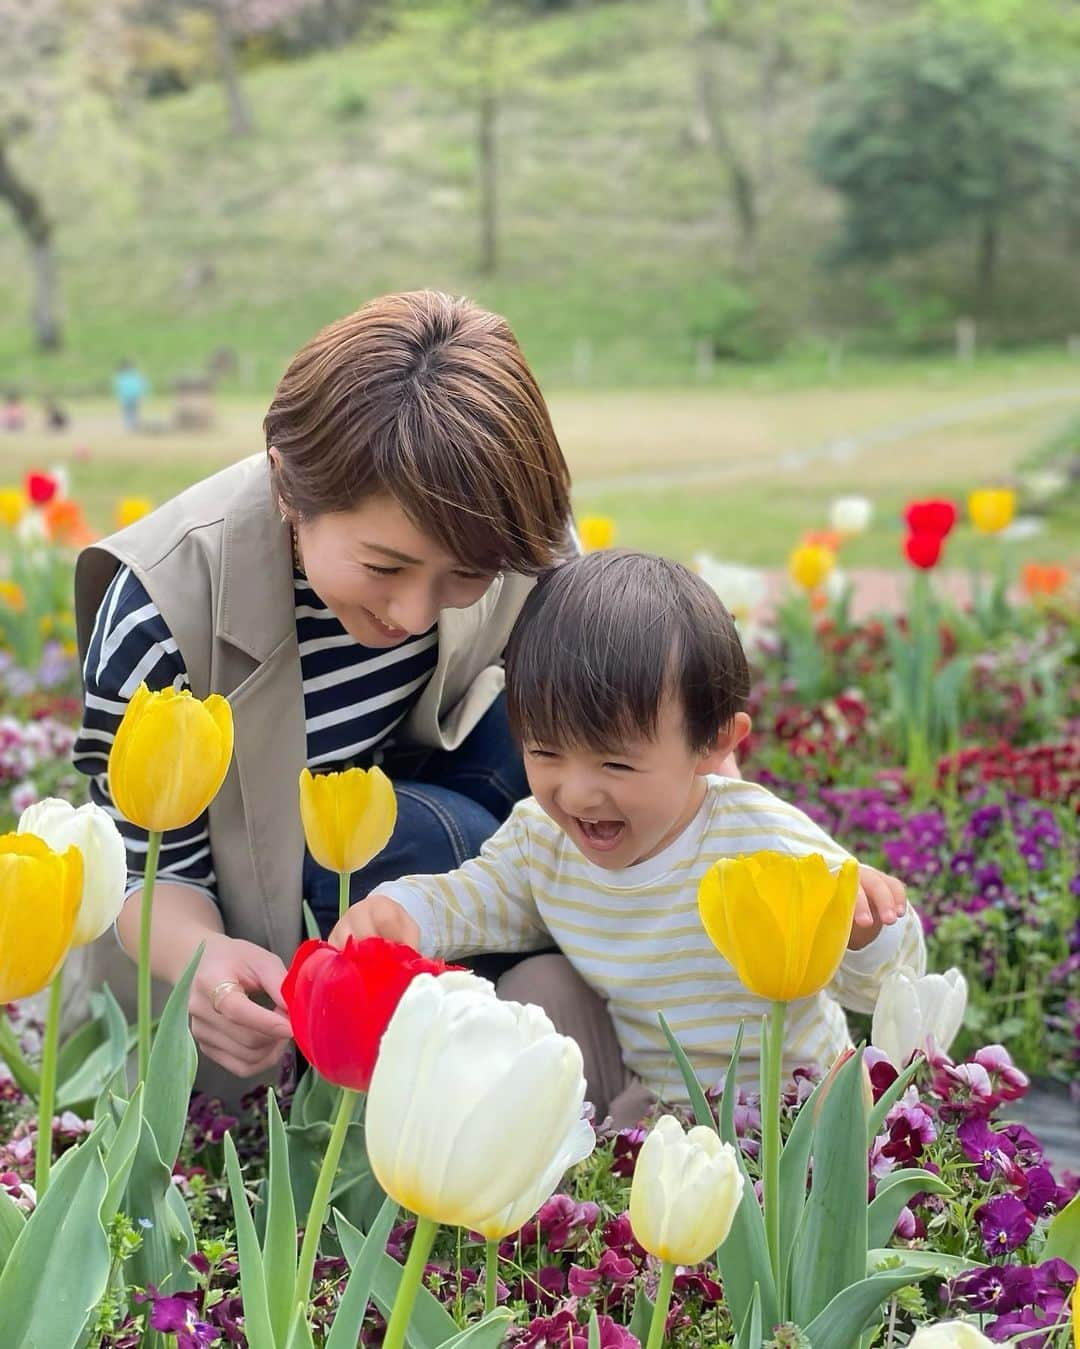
685	1191
851	515
474	1110
914	1013
742	589
949	1335
93	831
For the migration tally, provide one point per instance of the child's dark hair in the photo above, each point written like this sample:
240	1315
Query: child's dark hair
604	638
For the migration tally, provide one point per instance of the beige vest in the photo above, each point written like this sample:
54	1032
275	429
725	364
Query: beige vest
217	562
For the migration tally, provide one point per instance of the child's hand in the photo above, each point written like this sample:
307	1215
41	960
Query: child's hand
881	900
377	916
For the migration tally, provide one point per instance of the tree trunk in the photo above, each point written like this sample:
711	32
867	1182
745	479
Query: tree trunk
707	127
986	272
37	229
241	122
487	154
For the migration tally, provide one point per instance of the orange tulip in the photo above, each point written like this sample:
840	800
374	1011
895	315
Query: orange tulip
66	524
1043	579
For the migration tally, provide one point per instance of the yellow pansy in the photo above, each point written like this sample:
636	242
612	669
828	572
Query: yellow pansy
170	757
39	900
781	922
809	565
992	508
596	532
348	817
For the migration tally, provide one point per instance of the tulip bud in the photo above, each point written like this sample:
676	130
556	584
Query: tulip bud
169	757
991	509
340	1001
39	897
918	1014
851	515
130	509
685	1191
596	532
809	565
949	1335
13	506
348	817
781	922
474	1111
93	831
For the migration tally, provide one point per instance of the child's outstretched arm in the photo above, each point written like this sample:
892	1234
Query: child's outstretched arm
487	904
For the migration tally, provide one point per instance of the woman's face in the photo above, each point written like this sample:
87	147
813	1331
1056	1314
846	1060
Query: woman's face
383	579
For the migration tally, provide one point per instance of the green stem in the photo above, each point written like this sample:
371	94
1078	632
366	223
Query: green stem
47	1099
491	1277
153	848
26	1078
320	1200
663	1301
770	1146
343	893
423	1240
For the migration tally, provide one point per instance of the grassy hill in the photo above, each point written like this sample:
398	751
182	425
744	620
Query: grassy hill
616	234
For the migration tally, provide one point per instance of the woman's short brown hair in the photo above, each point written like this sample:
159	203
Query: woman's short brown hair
429	399
603	640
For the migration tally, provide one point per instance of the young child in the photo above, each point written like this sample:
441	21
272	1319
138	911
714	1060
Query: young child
626	684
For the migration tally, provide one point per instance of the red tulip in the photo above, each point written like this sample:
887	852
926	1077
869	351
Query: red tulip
923	550
341	1001
41	488
935	518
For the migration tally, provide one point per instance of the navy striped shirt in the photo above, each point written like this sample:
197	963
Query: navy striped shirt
354	697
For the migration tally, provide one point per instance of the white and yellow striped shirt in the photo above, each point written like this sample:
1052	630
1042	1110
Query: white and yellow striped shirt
635	937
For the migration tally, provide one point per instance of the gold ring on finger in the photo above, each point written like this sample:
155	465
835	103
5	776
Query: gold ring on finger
219	992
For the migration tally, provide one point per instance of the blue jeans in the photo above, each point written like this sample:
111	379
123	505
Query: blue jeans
449	803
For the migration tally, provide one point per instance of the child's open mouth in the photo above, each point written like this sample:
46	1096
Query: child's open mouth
602	835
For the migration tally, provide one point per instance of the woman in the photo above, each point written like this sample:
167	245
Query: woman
350	592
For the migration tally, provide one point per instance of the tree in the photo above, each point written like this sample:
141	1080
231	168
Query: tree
54	54
934	133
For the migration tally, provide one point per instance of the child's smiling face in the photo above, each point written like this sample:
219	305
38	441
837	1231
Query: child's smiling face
626	803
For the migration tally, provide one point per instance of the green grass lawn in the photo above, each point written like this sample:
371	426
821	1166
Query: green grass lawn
680	471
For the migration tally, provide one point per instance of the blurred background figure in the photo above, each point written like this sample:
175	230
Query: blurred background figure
12	413
130	386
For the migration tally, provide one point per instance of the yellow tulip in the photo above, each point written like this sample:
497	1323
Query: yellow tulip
348	817
992	508
130	509
170	757
781	922
12	506
809	565
39	901
596	532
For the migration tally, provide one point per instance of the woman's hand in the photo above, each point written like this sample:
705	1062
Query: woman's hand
229	1027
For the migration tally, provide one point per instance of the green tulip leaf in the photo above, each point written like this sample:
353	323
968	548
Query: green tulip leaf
279	1242
794	1165
743	1259
311	923
829	1252
486	1334
749	1336
594	1332
257	1324
26	1078
299	1332
86	1066
889	1098
12	1221
431	1325
880	1259
154	1203
120	1154
355	1190
1063	1234
63	1252
170	1073
893	1192
702	1110
345	1332
641	1317
842	1321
